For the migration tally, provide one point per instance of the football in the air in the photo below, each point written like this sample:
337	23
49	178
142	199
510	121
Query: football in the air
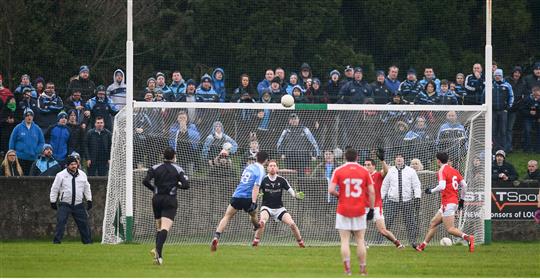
445	241
287	101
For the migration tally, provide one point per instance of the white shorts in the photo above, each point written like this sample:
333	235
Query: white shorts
275	213
377	215
448	210
351	223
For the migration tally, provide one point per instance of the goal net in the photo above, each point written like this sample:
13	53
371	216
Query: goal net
215	141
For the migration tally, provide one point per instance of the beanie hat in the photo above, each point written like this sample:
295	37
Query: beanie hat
25	76
305	66
536	66
358	69
100	88
84	68
411	71
517	69
61	115
348	68
276	79
28	111
206	77
159	74
70	159
379	73
317	81
190	81
26	89
46	146
39	79
149	80
335	72
498	72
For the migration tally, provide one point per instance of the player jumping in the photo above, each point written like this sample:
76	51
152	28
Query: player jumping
167	177
449	181
244	197
378	216
272	204
354	184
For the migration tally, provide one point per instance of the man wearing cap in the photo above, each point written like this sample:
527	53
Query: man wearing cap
382	94
49	104
518	87
27	140
82	83
275	88
502	170
45	164
474	83
101	105
411	87
205	90
305	74
530	110
503	99
355	91
27	102
161	85
391	80
297	146
58	136
68	190
533	79
349	75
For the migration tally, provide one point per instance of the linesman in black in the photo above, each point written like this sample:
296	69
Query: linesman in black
168	177
271	189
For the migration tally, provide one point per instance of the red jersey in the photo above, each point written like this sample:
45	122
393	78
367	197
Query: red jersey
353	180
453	178
377	185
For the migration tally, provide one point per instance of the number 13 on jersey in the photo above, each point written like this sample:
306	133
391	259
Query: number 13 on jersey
355	184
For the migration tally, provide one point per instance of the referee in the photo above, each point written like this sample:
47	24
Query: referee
168	177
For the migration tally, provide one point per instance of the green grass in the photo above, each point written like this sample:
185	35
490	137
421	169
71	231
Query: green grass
72	259
519	160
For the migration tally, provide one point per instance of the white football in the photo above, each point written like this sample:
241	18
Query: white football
287	101
445	241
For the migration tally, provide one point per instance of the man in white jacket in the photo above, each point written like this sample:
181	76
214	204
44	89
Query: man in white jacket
72	186
401	192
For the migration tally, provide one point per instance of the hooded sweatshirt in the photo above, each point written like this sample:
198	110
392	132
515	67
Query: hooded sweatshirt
117	90
219	85
214	142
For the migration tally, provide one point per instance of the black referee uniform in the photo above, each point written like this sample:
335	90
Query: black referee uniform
168	177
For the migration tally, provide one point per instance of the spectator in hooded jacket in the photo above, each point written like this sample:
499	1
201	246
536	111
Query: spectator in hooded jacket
184	138
245	88
214	143
265	83
530	110
76	104
293	81
25	83
205	90
11	166
101	106
58	136
117	90
391	81
45	164
331	91
411	87
502	170
381	92
10	116
305	74
218	83
429	75
27	139
77	134
298	95
83	84
178	87
355	91
49	104
98	148
474	84
502	100
27	102
533	79
161	84
518	89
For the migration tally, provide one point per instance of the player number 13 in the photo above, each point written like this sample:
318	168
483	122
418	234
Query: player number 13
356	187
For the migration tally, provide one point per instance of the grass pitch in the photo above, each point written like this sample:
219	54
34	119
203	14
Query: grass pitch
72	259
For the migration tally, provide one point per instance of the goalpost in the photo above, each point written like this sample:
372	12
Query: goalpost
119	219
334	127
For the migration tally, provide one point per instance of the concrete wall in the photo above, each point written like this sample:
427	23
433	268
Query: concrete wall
25	212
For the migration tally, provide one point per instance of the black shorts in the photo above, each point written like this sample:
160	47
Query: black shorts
164	206
241	203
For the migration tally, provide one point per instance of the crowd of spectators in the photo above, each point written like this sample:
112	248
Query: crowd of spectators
40	127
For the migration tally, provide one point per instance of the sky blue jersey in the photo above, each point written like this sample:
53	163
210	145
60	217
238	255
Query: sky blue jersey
252	174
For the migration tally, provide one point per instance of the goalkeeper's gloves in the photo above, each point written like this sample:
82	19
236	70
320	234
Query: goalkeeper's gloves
54	206
370	214
300	195
88	205
461	203
252	207
380	153
427	191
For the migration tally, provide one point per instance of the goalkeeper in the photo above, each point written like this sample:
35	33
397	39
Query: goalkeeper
167	177
271	189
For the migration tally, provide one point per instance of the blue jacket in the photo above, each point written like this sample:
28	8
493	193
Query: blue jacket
193	135
19	90
177	90
209	95
451	131
410	89
211	138
424	81
424	99
417	134
393	85
355	92
58	137
473	85
27	142
448	98
503	96
44	166
261	86
49	107
219	85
